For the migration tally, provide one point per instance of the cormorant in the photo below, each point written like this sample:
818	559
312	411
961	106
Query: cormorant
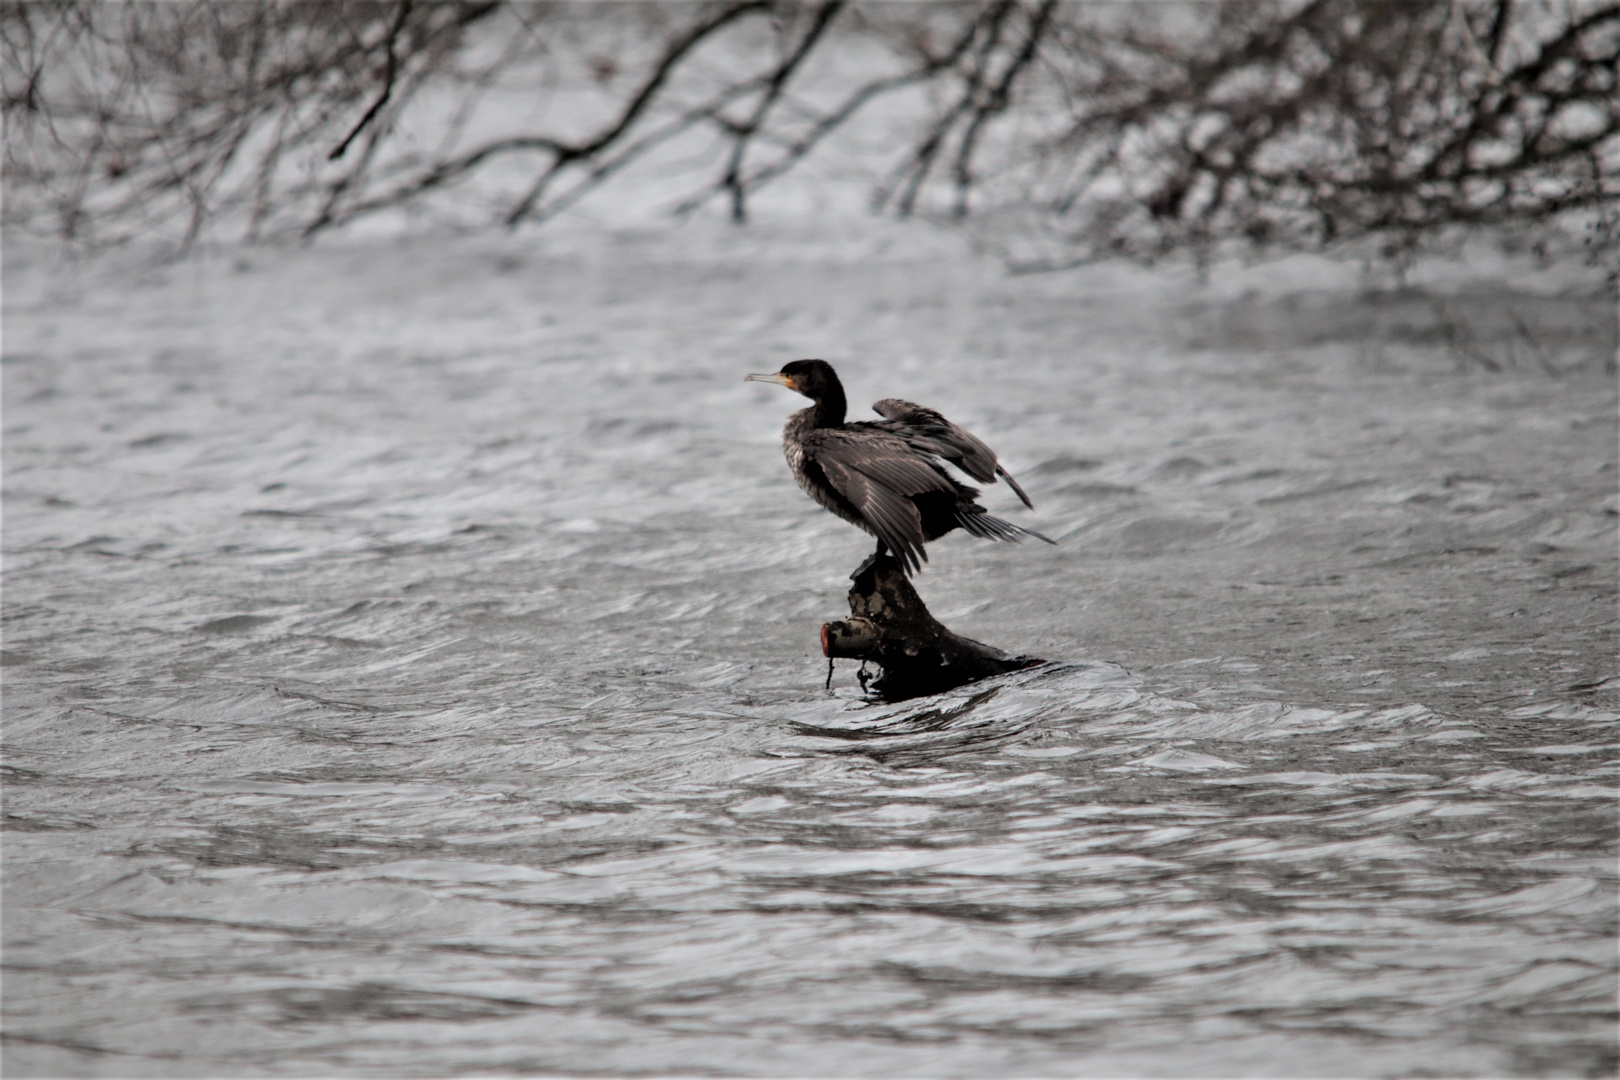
887	476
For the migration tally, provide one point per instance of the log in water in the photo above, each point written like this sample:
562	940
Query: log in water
890	626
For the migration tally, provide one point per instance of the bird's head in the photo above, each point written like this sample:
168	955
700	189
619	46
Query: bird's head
815	379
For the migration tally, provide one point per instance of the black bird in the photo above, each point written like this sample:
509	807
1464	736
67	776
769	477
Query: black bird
888	476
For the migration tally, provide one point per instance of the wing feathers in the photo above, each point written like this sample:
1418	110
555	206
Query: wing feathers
879	469
928	432
892	517
1017	490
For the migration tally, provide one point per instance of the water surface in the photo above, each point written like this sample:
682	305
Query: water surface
412	670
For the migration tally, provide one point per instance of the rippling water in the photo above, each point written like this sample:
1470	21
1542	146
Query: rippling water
412	669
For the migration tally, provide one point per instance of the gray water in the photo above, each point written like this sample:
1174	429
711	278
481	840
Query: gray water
412	670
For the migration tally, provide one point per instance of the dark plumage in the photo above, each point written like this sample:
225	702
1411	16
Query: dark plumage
888	476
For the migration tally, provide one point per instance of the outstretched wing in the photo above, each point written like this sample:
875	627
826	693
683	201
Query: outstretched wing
878	473
927	431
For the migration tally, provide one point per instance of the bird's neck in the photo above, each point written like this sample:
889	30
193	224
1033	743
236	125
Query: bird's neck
830	408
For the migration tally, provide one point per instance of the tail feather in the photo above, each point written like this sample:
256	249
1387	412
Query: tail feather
988	527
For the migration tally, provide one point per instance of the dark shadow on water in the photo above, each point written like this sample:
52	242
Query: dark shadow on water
927	720
919	736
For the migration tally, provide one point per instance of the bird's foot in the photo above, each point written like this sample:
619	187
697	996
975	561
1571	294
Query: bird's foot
871	561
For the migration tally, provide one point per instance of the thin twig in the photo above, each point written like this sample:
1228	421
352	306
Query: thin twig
400	16
996	104
1535	346
677	51
732	180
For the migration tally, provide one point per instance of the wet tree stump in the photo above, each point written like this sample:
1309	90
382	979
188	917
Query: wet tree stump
890	626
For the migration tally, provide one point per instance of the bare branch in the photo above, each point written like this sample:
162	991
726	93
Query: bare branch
1139	130
732	180
677	51
388	82
997	103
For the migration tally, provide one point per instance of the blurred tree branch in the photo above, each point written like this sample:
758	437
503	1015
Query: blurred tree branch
1092	129
1305	124
389	72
